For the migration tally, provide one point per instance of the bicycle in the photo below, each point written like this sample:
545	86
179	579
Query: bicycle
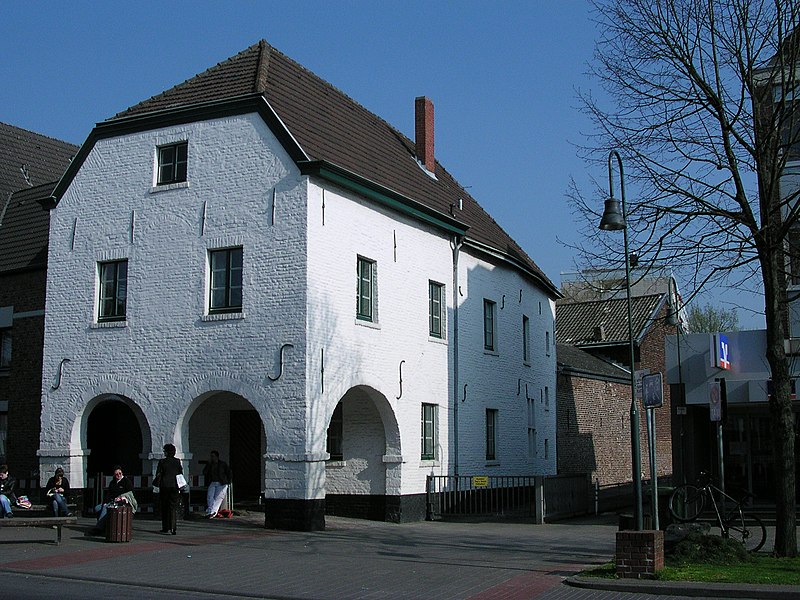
687	502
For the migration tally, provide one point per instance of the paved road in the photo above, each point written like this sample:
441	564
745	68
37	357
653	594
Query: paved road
352	559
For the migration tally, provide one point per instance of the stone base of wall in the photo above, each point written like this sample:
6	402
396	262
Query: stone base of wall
294	515
392	509
640	554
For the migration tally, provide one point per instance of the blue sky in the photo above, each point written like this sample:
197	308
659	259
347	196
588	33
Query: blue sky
502	76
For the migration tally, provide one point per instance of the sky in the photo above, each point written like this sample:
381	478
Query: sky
503	77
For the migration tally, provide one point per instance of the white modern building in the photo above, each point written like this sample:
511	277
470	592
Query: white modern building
252	262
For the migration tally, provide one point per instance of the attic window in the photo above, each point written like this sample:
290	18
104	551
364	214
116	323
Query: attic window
172	161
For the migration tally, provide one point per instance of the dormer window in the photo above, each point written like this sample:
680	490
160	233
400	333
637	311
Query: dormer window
172	160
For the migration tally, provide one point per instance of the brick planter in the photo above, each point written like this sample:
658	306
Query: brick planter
640	554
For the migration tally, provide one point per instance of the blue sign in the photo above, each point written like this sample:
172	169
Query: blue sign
723	352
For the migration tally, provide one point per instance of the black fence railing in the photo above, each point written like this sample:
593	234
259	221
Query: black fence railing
476	495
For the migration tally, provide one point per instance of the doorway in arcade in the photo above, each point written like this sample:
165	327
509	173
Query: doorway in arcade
228	423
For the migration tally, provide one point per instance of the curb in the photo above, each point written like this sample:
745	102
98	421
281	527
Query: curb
687	588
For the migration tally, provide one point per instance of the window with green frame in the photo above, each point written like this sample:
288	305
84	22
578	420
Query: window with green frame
429	425
366	289
436	309
491	434
489	330
225	289
113	297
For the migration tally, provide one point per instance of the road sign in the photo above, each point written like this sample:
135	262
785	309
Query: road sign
653	390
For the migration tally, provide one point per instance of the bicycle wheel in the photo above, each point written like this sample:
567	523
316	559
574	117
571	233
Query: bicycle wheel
687	502
749	530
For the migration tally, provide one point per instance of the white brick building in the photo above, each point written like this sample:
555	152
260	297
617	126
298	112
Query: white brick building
232	260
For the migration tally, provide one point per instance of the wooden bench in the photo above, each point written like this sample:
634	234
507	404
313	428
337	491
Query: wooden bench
55	522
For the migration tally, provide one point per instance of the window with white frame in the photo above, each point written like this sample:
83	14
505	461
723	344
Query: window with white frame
366	289
429	427
172	162
436	306
113	290
489	325
491	434
336	434
225	280
5	349
526	337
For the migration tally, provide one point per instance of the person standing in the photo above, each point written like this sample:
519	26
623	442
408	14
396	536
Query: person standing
218	476
166	480
57	490
7	497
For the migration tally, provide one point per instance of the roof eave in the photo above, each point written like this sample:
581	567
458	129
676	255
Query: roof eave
381	194
542	281
167	117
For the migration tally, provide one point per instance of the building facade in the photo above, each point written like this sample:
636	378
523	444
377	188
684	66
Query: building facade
269	270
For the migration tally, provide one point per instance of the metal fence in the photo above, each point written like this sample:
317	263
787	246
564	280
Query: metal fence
472	495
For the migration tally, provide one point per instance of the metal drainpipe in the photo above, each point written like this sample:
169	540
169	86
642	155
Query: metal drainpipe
456	245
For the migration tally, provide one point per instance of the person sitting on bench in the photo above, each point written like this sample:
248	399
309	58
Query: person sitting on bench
57	490
7	497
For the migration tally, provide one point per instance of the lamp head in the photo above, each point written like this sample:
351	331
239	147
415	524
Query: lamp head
612	216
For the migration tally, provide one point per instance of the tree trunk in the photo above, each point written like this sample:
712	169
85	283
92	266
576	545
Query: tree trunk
780	407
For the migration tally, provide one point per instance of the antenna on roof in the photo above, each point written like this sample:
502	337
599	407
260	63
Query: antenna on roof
26	174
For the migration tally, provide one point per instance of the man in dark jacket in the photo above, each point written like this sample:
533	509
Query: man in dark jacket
167	473
119	485
217	475
7	497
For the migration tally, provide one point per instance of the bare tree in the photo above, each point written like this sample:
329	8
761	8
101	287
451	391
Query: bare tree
703	104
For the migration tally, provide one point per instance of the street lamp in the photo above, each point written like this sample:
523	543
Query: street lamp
614	220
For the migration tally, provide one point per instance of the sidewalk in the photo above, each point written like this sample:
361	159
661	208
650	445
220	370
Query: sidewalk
350	559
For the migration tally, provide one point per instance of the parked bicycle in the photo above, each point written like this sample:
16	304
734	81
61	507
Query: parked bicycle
687	502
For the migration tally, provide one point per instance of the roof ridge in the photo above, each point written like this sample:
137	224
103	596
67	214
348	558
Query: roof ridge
262	70
41	135
195	77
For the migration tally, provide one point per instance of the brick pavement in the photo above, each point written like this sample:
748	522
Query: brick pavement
351	559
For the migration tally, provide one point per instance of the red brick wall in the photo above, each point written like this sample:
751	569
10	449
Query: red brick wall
593	420
22	386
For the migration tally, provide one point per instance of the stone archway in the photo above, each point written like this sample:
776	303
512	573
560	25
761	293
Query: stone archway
114	435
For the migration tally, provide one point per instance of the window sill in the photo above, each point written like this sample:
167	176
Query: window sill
109	325
437	340
425	463
491	352
492	463
169	186
368	324
335	464
234	316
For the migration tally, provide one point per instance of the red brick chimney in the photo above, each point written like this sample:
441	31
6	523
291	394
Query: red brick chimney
423	126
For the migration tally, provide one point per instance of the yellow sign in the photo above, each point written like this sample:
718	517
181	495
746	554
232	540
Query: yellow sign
480	481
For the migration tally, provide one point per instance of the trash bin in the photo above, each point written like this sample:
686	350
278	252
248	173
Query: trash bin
119	523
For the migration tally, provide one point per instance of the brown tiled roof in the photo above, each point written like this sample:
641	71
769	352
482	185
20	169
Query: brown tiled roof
25	230
605	322
574	361
23	223
330	126
44	158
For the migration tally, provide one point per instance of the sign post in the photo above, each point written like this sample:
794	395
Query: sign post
653	396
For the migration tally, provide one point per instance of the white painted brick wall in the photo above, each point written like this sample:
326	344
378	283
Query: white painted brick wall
299	288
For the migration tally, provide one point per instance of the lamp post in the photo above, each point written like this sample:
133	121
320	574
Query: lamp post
614	220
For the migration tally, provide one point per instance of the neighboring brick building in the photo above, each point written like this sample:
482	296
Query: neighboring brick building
251	261
27	161
600	327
